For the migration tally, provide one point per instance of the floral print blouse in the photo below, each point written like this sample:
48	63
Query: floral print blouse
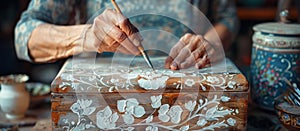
174	17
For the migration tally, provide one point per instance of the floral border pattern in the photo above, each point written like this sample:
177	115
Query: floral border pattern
208	113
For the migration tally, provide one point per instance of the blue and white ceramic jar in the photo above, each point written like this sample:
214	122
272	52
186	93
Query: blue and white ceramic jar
275	60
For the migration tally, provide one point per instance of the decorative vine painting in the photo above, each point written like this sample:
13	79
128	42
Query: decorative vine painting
207	113
137	100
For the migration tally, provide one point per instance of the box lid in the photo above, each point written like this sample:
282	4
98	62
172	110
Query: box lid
108	75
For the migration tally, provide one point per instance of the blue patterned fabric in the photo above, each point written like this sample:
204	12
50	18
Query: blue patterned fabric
65	12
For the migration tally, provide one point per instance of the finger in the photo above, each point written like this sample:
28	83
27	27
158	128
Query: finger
202	62
123	50
119	36
168	62
183	54
191	60
136	38
115	33
129	29
180	45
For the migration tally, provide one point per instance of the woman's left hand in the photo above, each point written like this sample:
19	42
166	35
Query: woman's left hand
192	50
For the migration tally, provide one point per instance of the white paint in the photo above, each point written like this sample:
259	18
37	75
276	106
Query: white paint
152	81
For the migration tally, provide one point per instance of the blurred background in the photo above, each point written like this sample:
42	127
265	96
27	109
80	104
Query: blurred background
250	12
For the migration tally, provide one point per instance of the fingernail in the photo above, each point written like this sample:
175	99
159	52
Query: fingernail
174	66
136	42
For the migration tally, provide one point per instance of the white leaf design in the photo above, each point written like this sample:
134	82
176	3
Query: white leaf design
163	117
175	114
201	122
190	105
130	128
114	117
107	111
128	118
81	107
231	121
151	128
139	111
132	102
184	128
189	82
88	110
163	109
231	84
156	101
225	98
200	101
149	119
210	112
75	108
105	119
121	104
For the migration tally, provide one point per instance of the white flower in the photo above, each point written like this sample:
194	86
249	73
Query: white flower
231	121
130	107
156	101
225	98
81	107
190	105
189	82
153	83
231	84
201	122
149	119
213	79
151	128
164	114
175	114
105	119
184	128
128	118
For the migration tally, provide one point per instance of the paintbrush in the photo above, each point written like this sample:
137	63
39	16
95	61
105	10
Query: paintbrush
140	47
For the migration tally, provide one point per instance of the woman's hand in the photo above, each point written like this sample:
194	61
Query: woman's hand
111	32
192	50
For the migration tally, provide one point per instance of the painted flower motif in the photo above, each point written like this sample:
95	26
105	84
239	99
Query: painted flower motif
151	128
190	105
272	77
130	107
105	119
184	128
116	82
201	122
173	74
189	82
129	76
156	101
81	107
152	80
149	119
164	114
225	98
231	121
231	84
213	79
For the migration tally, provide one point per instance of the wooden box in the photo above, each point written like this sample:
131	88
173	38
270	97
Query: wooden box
108	94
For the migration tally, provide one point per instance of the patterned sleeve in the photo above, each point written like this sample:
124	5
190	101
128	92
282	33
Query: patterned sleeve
37	13
224	11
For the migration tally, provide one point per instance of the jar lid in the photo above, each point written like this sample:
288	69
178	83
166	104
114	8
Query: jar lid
278	28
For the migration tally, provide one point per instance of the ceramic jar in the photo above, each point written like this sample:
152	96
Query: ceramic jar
275	60
14	99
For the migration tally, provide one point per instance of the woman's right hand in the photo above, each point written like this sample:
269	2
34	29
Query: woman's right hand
111	32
